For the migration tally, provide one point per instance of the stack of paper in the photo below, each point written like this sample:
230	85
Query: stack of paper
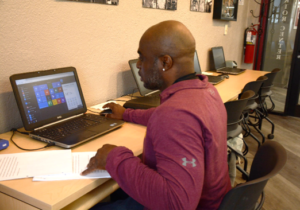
79	163
47	166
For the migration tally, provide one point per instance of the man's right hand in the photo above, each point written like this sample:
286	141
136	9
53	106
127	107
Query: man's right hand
117	111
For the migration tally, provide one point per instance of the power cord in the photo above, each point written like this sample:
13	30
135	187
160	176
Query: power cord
26	133
131	95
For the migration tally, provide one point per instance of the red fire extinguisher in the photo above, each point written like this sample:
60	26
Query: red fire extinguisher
249	43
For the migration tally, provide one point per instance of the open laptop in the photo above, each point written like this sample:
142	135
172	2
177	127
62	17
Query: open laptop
149	98
52	106
211	79
220	63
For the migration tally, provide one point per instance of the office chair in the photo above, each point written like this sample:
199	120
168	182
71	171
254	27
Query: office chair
266	92
234	129
268	161
251	110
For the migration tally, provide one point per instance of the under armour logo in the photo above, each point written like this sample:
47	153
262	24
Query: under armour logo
212	92
191	162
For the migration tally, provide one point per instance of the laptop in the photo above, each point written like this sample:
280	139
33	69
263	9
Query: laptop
211	79
52	106
220	63
149	98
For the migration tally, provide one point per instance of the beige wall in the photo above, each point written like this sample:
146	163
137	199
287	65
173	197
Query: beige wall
98	40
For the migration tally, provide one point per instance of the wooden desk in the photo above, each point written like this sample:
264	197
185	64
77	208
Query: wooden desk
58	194
232	87
82	194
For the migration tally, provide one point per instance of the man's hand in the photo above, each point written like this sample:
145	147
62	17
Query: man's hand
99	160
117	111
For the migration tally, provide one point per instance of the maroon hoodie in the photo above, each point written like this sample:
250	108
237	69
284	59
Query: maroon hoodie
185	151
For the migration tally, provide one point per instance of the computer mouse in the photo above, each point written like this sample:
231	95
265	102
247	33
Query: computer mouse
106	111
226	76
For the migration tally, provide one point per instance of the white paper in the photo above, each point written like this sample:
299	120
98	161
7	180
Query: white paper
100	106
29	164
80	161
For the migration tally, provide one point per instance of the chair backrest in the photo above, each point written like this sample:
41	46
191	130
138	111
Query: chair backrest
271	76
266	87
268	161
263	78
255	86
234	114
235	108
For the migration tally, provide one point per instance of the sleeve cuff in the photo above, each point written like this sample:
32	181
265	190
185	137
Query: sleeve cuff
126	115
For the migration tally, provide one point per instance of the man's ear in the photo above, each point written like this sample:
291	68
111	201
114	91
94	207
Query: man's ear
166	61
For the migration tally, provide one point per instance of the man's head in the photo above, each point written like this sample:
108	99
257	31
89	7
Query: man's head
166	53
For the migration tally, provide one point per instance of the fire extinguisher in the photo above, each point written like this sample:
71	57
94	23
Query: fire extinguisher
249	43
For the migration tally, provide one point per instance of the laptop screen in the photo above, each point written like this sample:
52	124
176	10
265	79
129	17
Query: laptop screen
196	64
47	96
218	57
143	91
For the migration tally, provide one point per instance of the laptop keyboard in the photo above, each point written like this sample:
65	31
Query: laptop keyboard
233	71
69	127
215	79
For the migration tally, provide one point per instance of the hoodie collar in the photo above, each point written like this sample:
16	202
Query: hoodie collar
200	83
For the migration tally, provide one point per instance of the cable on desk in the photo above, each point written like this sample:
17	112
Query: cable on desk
26	133
131	94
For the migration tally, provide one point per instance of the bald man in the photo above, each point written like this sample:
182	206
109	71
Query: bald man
185	149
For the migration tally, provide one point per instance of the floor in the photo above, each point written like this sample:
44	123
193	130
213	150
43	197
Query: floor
283	190
279	97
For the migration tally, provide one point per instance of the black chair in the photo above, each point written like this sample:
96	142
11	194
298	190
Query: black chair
266	92
268	161
251	108
234	118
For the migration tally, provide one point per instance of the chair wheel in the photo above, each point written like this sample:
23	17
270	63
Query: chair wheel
270	136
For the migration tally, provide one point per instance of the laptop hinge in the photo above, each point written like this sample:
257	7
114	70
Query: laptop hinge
45	126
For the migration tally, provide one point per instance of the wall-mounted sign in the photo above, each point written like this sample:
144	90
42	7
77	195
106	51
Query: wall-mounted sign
111	2
160	4
283	25
201	5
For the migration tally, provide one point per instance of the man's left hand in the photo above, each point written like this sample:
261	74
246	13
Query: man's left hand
99	160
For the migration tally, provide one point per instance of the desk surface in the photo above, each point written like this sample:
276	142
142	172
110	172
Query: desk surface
58	194
230	88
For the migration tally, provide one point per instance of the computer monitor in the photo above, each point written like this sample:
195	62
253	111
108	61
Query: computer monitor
143	91
197	67
218	57
211	79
